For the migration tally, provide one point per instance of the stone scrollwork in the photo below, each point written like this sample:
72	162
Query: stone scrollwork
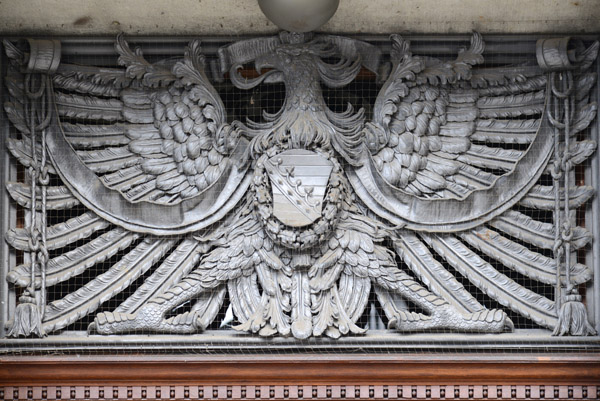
298	218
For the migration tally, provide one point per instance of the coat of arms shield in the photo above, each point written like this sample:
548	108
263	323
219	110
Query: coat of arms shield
298	180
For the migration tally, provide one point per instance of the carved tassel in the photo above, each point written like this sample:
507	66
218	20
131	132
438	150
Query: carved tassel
27	320
29	313
572	318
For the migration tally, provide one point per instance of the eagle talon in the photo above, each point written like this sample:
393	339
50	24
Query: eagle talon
112	322
147	317
485	321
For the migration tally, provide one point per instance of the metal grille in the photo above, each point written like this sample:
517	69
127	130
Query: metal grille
242	105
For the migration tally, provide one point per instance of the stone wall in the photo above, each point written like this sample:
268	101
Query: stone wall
226	17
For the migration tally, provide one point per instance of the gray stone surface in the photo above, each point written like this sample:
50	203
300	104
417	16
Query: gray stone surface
279	228
77	17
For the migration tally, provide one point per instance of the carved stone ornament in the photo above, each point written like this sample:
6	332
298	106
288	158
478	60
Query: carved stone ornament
297	218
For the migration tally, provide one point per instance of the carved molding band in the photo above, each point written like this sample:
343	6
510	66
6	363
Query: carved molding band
279	392
303	377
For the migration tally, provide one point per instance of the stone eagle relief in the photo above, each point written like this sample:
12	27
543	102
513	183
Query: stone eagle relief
297	218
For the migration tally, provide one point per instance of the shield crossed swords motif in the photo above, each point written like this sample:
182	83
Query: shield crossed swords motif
298	180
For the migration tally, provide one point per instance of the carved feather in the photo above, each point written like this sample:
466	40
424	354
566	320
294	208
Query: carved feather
13	52
269	258
146	191
326	279
141	131
462	112
521	259
60	234
14	83
472	178
588	56
324	312
138	116
453	190
519	100
21	149
453	71
256	320
229	261
276	303
579	151
85	86
57	198
460	129
96	75
344	323
383	269
523	227
207	306
326	261
491	158
301	305
463	95
137	99
542	197
147	146
584	82
133	60
584	117
190	71
169	180
88	298
526	110
16	115
429	181
78	260
502	137
88	107
329	318
152	75
418	258
502	76
109	159
507	126
125	179
93	136
354	294
159	165
526	85
178	264
455	145
506	131
495	284
442	166
244	295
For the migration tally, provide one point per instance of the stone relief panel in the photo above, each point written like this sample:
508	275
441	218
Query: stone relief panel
294	220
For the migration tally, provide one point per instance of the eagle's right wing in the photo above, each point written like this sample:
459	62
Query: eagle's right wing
147	147
135	157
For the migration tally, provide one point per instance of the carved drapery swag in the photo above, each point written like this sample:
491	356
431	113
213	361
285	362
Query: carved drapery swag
297	218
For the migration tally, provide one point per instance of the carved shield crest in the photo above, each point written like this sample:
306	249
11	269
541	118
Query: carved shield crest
298	180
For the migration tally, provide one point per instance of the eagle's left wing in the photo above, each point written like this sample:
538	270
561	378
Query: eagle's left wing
452	145
473	161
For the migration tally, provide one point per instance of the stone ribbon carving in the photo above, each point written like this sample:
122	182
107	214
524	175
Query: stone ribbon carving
298	217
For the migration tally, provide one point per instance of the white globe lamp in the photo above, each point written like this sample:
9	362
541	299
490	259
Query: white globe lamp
299	15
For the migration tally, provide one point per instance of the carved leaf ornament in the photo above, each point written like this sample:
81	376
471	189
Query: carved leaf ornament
298	218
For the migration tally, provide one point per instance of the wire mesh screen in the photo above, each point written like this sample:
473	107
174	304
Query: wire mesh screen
183	210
